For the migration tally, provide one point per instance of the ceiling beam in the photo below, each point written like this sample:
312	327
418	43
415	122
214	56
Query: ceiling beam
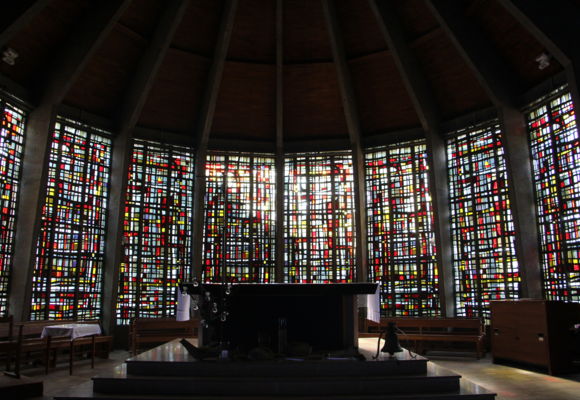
150	62
279	276
214	78
131	109
72	56
16	16
426	108
500	82
201	139
349	106
407	65
502	86
68	63
555	25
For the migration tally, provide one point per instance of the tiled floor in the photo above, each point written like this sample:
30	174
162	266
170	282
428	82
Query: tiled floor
508	382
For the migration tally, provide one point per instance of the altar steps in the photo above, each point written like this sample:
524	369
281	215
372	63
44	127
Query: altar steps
19	388
168	372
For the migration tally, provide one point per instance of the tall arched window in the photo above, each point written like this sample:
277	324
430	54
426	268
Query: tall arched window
484	262
319	219
401	238
68	274
11	151
157	230
555	148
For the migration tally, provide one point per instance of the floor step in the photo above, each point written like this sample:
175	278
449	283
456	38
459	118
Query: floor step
432	382
19	388
465	392
172	359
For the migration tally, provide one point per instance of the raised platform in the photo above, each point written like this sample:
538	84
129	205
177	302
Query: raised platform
19	388
168	371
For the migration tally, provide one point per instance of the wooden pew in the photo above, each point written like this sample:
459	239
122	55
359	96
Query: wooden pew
419	331
155	331
30	341
9	342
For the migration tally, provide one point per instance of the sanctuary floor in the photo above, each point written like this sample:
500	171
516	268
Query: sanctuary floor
508	382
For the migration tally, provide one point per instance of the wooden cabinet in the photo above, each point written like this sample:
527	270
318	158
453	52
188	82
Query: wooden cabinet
536	332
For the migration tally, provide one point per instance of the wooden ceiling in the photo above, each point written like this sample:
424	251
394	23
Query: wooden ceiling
246	105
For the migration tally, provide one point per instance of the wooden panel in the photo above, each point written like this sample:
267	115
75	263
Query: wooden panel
253	37
103	83
175	98
456	89
245	104
199	27
312	105
534	331
517	46
142	16
42	39
305	35
360	31
382	99
416	18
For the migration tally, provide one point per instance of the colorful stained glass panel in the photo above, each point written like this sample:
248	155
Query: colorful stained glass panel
555	149
319	219
68	273
157	230
239	228
401	238
482	231
11	152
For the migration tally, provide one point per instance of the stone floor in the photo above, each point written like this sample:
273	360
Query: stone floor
512	383
508	382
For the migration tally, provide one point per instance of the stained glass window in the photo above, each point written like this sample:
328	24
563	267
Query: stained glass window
401	239
482	231
555	148
11	142
240	207
67	278
319	219
157	230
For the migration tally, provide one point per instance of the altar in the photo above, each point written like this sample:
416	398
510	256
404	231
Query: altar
322	316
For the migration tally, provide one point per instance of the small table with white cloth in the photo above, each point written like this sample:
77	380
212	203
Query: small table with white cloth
78	335
71	330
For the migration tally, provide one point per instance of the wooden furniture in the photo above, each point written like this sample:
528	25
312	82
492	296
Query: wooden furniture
322	316
535	332
154	331
9	342
30	341
421	332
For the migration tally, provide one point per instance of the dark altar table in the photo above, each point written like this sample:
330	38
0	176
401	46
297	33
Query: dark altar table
322	315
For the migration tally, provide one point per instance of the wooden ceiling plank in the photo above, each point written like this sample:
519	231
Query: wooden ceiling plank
70	61
407	64
17	16
555	25
426	107
354	131
150	62
215	74
500	82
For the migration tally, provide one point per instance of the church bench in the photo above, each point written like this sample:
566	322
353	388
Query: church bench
148	332
421	331
8	341
30	341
